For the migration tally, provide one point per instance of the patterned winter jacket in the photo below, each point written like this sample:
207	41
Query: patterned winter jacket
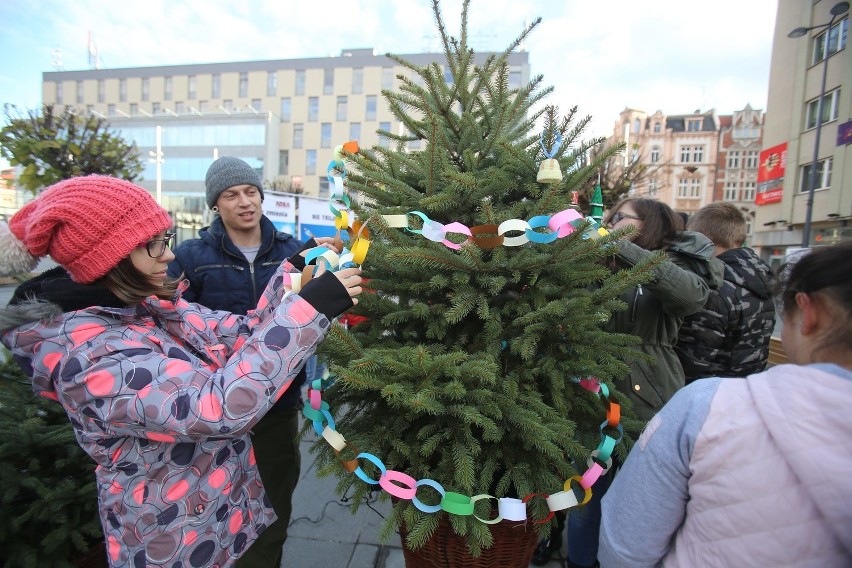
730	336
162	396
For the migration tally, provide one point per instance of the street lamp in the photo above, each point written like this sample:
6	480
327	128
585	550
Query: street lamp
157	158
836	10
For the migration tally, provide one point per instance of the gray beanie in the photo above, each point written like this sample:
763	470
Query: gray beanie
226	172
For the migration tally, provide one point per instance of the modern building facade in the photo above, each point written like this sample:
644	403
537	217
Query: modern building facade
790	132
283	117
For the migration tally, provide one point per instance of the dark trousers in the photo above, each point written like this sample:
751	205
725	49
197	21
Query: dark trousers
584	525
276	449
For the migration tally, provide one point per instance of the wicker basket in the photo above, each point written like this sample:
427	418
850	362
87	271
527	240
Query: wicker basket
514	545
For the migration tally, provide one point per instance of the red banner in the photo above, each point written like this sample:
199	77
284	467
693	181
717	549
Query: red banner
770	175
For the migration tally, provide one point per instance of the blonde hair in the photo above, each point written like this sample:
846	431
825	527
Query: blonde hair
721	222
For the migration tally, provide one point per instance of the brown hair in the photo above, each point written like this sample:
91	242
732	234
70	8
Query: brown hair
723	223
131	286
660	224
825	271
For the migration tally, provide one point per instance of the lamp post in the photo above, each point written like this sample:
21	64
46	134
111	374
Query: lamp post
157	158
836	10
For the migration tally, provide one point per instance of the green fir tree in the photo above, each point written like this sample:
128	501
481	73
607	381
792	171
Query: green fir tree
48	496
465	371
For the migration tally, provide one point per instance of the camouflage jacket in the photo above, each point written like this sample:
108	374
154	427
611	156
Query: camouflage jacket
730	336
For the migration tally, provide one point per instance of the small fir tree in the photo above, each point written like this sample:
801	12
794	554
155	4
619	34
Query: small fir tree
464	372
48	497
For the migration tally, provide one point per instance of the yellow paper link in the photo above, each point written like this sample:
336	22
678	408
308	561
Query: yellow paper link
578	479
396	221
359	250
342	222
493	521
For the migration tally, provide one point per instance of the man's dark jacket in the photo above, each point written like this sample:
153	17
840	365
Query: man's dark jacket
221	278
730	336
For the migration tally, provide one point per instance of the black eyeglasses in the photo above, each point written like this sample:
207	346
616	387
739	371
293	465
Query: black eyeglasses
157	247
618	216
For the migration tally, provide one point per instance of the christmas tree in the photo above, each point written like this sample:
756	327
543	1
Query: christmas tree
48	497
466	369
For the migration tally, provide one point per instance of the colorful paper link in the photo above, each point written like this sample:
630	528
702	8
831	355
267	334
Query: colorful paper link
551	152
404	487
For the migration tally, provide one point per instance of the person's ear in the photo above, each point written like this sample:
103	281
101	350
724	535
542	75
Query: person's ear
812	312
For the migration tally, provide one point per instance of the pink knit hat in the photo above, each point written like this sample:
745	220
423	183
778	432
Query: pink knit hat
86	224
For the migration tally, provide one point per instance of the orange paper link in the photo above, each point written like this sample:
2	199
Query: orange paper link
613	414
351	146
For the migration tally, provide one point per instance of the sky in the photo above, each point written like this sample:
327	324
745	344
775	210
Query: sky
603	56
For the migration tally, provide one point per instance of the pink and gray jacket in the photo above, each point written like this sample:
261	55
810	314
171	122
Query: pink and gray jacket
162	396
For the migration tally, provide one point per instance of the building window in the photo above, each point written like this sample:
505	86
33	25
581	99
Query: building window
203	106
733	161
384	141
243	84
101	91
311	163
328	82
414	144
300	82
823	175
110	109
298	134
342	103
371	107
228	105
313	109
730	192
192	88
829	109
689	188
354	130
387	78
685	153
325	135
749	190
155	108
323	186
255	104
693	125
122	90
216	90
698	154
514	78
283	162
836	37
59	92
655	154
146	89
637	126
448	75
180	108
134	109
657	128
167	89
79	92
751	159
653	187
271	83
285	109
357	80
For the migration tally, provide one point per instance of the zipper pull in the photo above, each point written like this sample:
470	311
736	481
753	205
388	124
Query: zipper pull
640	290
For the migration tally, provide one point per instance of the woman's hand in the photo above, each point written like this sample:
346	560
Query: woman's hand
331	243
349	277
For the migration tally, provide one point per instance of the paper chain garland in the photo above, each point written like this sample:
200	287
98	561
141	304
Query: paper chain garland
402	485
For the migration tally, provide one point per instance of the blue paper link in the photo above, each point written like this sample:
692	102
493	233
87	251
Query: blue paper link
552	152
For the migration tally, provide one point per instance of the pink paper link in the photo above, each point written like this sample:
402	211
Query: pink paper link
315	397
406	480
592	474
562	222
590	384
456	228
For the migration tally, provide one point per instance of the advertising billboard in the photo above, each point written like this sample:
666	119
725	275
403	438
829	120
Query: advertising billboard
770	175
